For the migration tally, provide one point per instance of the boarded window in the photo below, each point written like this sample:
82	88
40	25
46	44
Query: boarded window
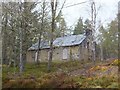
65	53
48	54
36	54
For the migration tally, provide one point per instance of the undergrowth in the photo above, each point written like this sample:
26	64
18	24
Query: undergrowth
37	76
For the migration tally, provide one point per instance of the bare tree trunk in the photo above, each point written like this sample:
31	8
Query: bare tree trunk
53	6
21	42
21	52
41	30
93	16
50	55
0	46
38	51
4	51
101	48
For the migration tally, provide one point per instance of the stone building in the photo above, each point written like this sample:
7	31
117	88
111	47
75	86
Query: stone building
72	47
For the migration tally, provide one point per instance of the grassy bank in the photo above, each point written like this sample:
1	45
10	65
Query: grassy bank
70	74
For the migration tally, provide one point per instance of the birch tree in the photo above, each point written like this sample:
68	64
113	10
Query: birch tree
21	38
94	12
93	23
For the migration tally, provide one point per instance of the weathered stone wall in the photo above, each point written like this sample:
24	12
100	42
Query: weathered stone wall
43	56
57	53
73	52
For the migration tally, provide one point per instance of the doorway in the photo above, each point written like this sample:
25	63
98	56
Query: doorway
65	53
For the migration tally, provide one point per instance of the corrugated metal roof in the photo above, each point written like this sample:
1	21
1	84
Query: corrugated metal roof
44	44
61	41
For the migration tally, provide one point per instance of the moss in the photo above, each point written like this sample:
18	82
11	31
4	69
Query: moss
116	62
113	85
96	82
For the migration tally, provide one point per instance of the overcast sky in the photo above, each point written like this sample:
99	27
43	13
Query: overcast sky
107	11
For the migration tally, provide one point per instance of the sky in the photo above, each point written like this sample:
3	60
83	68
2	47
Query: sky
106	13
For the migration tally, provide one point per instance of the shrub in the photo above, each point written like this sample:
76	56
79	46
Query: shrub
116	62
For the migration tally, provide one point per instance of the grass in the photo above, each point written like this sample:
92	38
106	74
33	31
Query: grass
116	62
38	71
35	76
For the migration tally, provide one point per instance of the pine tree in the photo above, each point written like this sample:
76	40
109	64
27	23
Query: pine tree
79	27
61	27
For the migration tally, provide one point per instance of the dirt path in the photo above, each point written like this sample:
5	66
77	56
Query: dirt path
83	71
103	69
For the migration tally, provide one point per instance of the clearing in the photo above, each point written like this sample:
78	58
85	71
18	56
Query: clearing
71	74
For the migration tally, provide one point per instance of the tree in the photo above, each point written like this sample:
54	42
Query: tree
19	25
9	31
87	24
21	38
79	27
27	23
0	47
4	34
101	30
110	40
94	12
53	8
54	4
61	28
43	12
